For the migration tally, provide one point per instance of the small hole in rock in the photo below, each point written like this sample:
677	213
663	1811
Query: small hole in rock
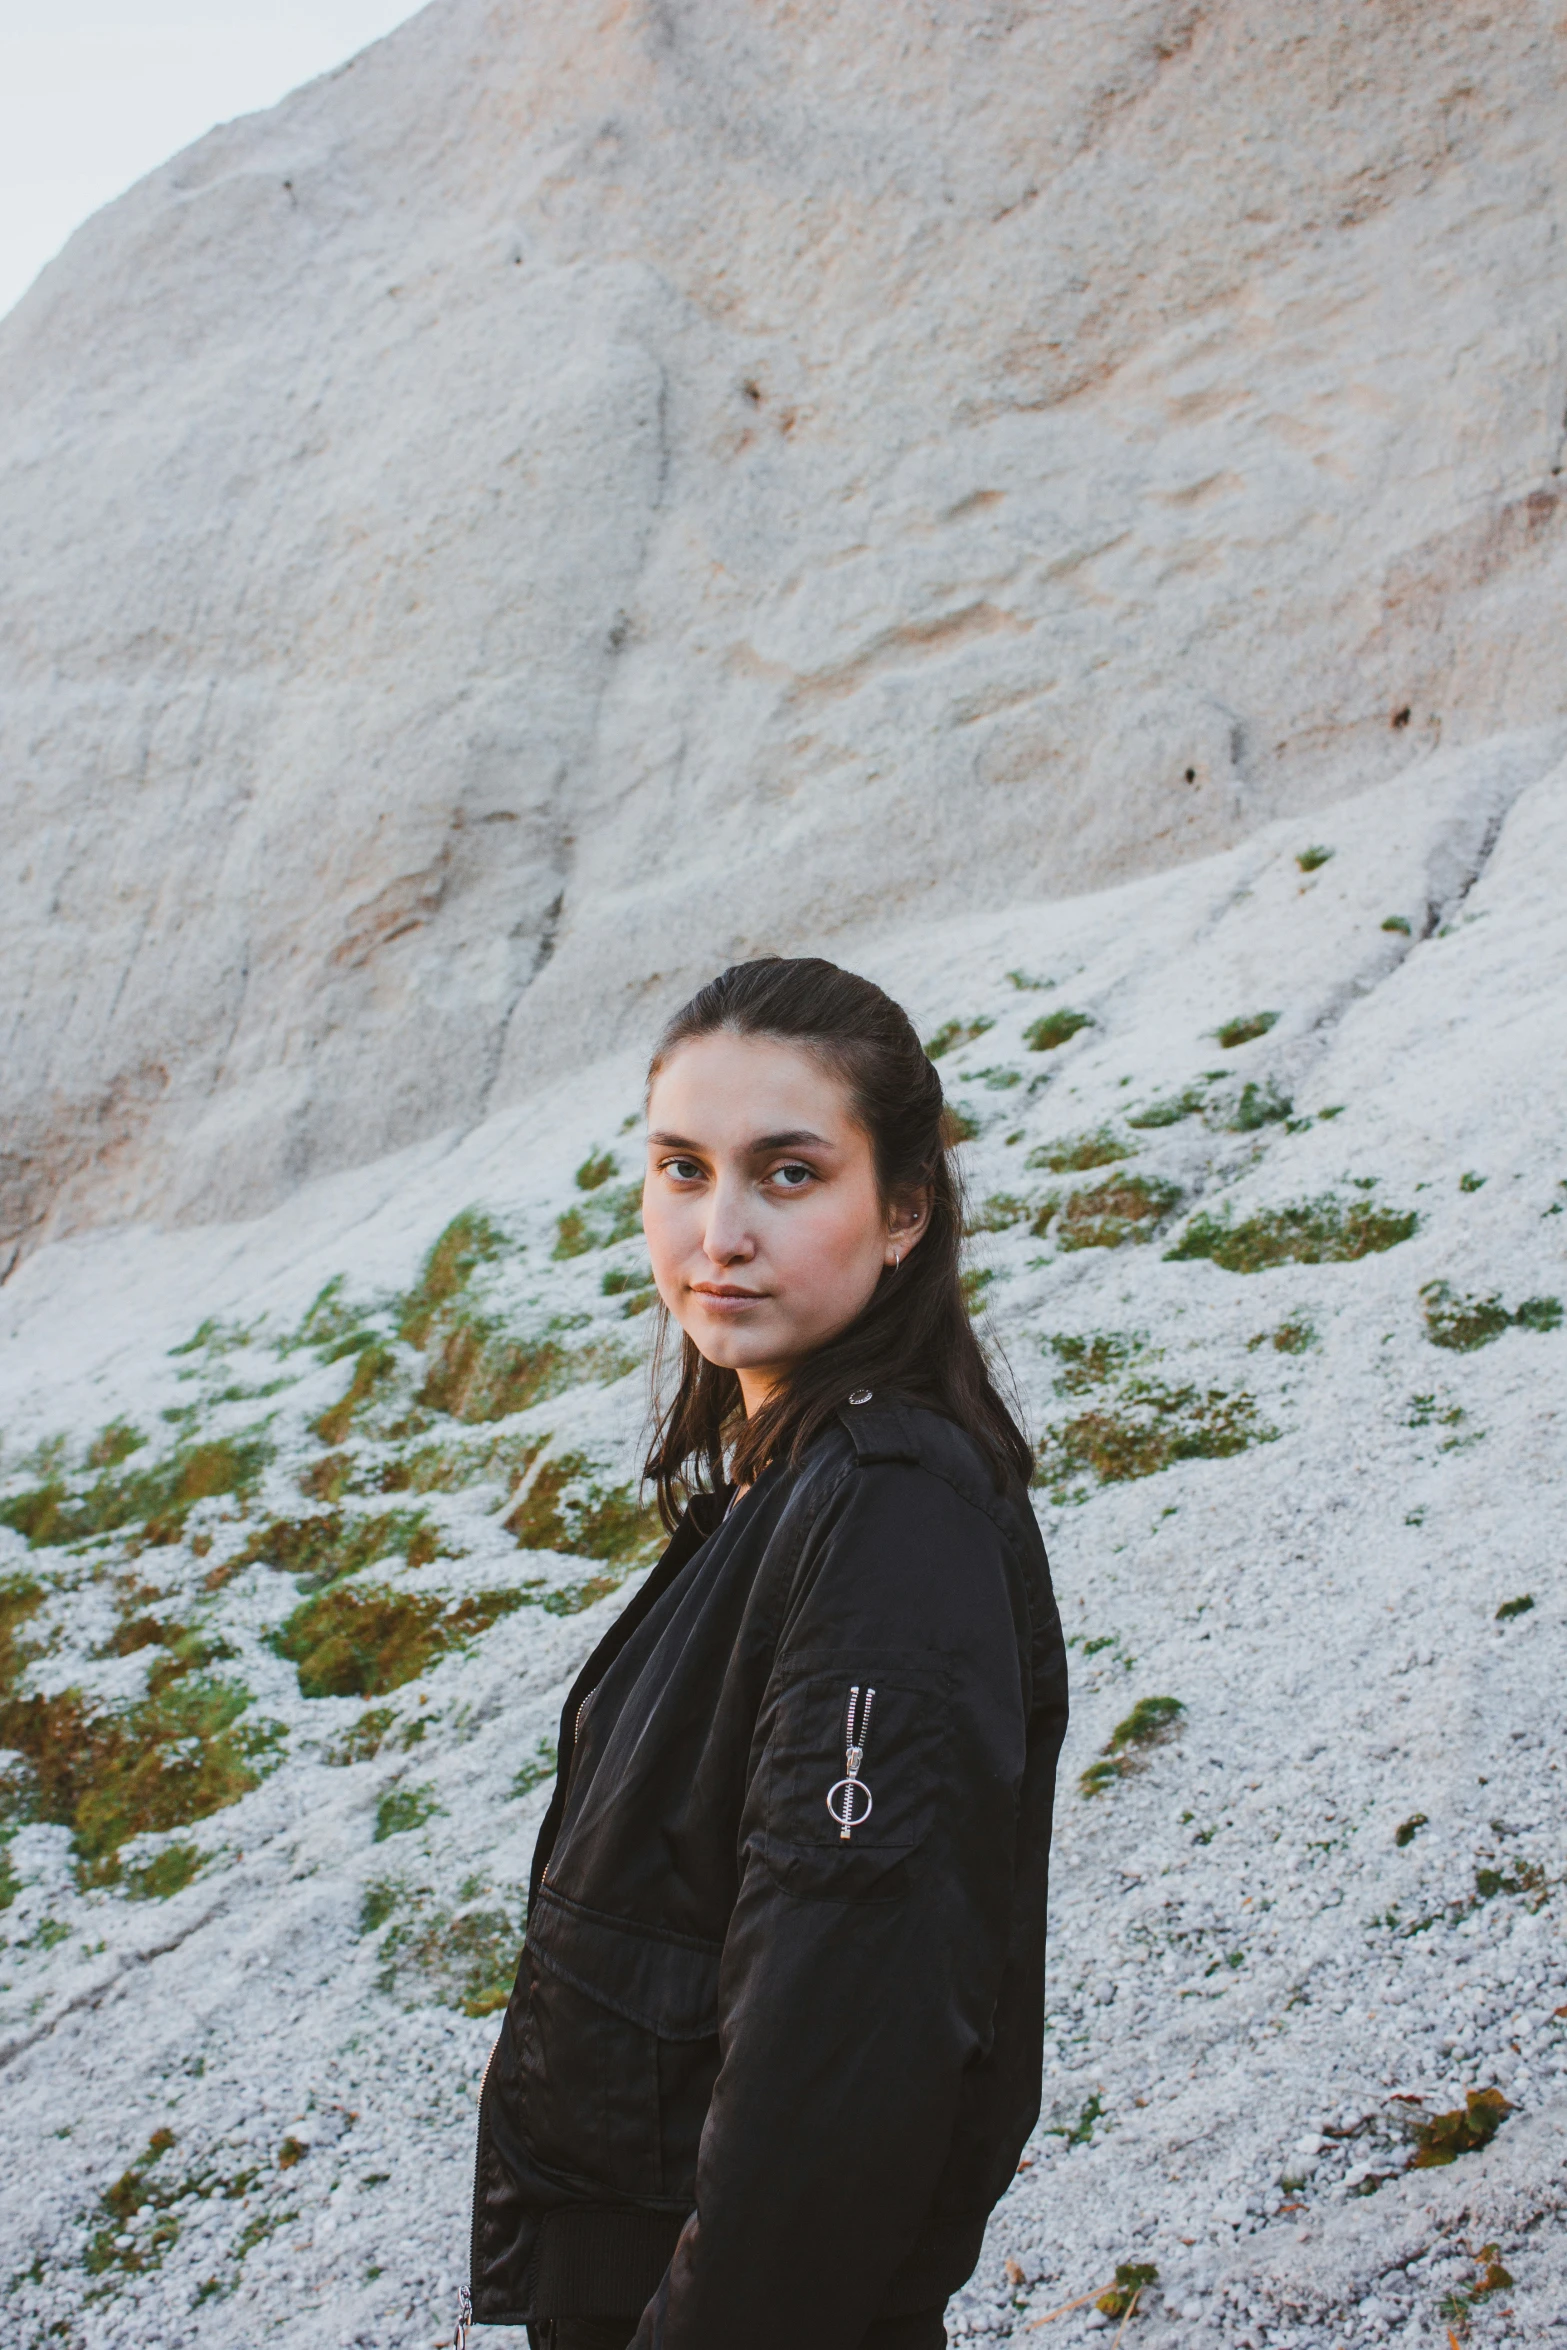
1400	717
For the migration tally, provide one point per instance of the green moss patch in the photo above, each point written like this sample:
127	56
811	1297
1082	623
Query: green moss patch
20	1598
149	1505
186	1651
123	2203
1093	1358
480	1373
632	1282
139	2216
1312	860
952	1033
1514	1607
169	1872
1244	1029
974	1282
1258	1106
1118	1209
402	1809
1457	2307
114	1444
1054	1029
332	1322
565	1508
1290	1338
1527	1878
1000	1212
357	1640
374	1366
214	1336
451	1468
1171	1110
329	1478
1074	1154
179	1754
1132	2277
1145	1428
1469	2127
318	1551
377	1903
1080	2132
469	1241
477	1370
1465	1323
364	1741
1152	1722
1324	1231
540	1765
439	1466
595	1171
609	1216
468	1961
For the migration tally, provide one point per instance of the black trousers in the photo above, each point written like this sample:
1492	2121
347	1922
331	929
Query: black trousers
923	2332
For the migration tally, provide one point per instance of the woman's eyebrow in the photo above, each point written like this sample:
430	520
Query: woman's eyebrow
794	1138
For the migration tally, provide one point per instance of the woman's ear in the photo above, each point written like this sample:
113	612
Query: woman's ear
908	1219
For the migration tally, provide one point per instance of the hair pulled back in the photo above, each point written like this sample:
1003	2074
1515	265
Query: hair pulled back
914	1334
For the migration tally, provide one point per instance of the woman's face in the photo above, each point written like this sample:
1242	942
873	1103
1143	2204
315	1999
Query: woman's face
763	1220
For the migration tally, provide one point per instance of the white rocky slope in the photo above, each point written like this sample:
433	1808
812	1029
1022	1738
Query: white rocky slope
587	484
1319	1504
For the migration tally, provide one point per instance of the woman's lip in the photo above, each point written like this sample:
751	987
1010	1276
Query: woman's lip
729	1297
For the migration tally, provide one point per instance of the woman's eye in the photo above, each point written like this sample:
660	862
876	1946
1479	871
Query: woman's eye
683	1170
791	1177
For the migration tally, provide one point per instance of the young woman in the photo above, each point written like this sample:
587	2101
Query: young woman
774	2046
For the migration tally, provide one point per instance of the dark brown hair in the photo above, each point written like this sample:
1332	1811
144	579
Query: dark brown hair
914	1336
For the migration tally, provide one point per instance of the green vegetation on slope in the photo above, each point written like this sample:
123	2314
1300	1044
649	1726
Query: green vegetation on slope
1151	1722
173	1756
1075	1154
1464	1323
1117	1209
1323	1231
1053	1029
565	1508
359	1640
151	1505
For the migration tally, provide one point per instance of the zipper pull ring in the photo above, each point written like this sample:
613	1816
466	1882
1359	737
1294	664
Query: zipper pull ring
464	2318
855	1740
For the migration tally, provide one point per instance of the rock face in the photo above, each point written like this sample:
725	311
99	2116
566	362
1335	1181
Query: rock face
589	490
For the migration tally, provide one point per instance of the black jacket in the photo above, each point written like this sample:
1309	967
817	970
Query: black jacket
759	2082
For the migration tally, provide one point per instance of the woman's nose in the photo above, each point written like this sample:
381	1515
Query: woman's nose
728	1239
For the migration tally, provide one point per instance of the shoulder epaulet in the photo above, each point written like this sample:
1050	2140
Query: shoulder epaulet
878	1431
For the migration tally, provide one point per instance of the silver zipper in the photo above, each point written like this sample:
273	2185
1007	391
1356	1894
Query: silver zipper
852	1785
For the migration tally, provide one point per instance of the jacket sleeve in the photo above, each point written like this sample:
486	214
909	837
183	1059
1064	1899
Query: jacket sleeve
859	1975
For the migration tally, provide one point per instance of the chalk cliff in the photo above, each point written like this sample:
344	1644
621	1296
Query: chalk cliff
588	490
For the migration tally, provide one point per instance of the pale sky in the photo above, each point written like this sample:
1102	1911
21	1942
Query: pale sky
93	93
